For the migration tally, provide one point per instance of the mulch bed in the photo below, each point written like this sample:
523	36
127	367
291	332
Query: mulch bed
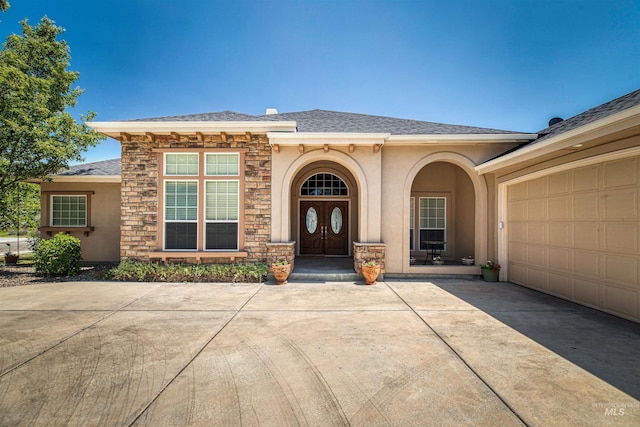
20	275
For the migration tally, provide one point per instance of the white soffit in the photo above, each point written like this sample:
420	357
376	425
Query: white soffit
345	138
328	138
113	129
460	138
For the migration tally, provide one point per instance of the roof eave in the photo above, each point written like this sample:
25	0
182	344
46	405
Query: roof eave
114	129
460	139
116	179
562	141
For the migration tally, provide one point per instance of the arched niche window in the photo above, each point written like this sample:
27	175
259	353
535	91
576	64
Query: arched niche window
324	184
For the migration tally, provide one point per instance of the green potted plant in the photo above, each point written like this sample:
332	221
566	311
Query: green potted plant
437	260
370	271
490	271
281	271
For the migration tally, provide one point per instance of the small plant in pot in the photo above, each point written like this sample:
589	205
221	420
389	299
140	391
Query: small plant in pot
468	260
490	271
281	271
437	261
9	257
370	272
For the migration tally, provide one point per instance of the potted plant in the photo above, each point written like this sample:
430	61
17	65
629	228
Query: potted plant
281	271
468	260
370	272
490	271
437	260
9	257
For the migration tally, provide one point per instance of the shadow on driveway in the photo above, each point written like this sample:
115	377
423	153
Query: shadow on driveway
604	345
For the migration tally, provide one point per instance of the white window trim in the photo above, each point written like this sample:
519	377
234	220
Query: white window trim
209	221
444	249
237	155
412	222
165	173
164	214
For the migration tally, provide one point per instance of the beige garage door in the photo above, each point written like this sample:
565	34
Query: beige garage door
575	234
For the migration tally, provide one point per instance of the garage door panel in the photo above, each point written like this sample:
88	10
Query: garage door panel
586	235
586	207
586	292
537	233
537	255
586	178
560	259
560	285
559	209
621	237
559	183
621	269
622	301
621	173
621	205
586	263
560	234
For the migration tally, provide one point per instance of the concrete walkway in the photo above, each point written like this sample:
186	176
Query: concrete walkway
415	353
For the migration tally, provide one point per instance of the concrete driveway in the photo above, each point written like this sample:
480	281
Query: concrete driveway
442	352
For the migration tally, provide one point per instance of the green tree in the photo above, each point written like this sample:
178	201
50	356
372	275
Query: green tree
21	208
4	5
38	137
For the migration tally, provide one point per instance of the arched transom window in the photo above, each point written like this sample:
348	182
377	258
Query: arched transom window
324	184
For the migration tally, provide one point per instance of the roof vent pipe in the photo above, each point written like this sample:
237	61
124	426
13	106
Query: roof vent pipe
555	120
271	111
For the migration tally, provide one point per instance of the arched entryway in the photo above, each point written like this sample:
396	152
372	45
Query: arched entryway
324	210
446	201
442	213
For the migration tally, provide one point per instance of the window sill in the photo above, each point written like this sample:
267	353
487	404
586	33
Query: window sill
51	230
198	256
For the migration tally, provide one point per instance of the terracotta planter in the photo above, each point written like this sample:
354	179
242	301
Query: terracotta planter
370	274
11	259
490	275
281	273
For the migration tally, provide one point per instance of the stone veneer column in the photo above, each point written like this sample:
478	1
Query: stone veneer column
139	201
363	252
281	251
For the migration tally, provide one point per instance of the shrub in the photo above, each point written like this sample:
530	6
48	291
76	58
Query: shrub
58	256
137	271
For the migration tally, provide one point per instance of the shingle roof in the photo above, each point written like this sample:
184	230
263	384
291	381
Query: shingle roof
334	121
221	116
102	168
601	111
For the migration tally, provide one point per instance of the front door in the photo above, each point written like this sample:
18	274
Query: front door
324	228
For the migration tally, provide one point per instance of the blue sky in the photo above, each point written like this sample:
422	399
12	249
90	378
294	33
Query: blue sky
506	64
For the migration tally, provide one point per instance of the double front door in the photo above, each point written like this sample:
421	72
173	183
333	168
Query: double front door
324	228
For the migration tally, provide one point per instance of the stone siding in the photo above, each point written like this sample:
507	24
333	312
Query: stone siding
281	251
139	203
364	252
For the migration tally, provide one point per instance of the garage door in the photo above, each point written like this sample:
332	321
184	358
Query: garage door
575	234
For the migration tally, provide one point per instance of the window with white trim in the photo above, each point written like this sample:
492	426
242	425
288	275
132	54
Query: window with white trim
68	211
222	200
201	201
412	221
181	214
432	222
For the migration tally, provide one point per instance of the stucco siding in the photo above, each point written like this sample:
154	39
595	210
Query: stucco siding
103	243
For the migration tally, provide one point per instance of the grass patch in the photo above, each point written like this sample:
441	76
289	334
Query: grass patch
137	271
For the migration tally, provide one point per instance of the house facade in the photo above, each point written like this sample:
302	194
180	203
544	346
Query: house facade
558	209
